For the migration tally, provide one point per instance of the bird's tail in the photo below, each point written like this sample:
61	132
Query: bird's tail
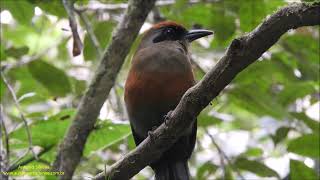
172	171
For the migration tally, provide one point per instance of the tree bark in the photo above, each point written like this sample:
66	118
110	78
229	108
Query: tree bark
241	53
70	150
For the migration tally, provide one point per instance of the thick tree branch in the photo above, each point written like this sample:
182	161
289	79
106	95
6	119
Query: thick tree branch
70	150
240	54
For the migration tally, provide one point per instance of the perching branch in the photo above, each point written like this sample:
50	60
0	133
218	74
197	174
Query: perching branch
77	44
241	53
16	102
70	150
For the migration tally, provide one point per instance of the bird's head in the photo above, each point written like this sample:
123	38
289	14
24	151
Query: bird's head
171	31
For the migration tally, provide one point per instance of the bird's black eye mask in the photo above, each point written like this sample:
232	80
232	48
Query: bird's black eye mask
170	34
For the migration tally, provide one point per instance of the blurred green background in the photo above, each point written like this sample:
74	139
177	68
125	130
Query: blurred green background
264	125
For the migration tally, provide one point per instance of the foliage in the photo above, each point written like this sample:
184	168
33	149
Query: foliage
271	109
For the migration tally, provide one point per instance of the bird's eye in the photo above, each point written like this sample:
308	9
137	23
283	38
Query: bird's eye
165	34
169	31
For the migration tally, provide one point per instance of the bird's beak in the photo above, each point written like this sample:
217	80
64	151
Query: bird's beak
196	34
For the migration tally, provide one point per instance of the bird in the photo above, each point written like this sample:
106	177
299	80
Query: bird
160	74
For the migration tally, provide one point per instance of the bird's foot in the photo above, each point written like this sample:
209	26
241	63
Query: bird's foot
166	118
151	133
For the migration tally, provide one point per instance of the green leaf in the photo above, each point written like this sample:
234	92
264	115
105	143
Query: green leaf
63	50
311	1
306	145
42	35
54	79
51	7
18	36
244	119
224	28
251	13
306	50
312	124
180	4
303	45
281	134
45	133
29	159
255	167
103	31
78	86
131	143
3	88
204	119
190	15
205	170
253	152
22	11
27	85
105	135
295	90
214	17
48	133
198	74
257	101
17	52
277	69
298	171
228	174
3	55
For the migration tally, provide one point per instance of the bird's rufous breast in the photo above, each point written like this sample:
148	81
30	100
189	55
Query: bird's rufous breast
156	87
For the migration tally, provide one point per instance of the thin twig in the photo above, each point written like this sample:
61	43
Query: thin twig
223	154
4	130
105	170
15	99
6	158
14	166
90	32
77	44
19	158
219	151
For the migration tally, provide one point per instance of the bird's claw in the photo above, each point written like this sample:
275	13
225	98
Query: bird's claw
151	134
166	118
